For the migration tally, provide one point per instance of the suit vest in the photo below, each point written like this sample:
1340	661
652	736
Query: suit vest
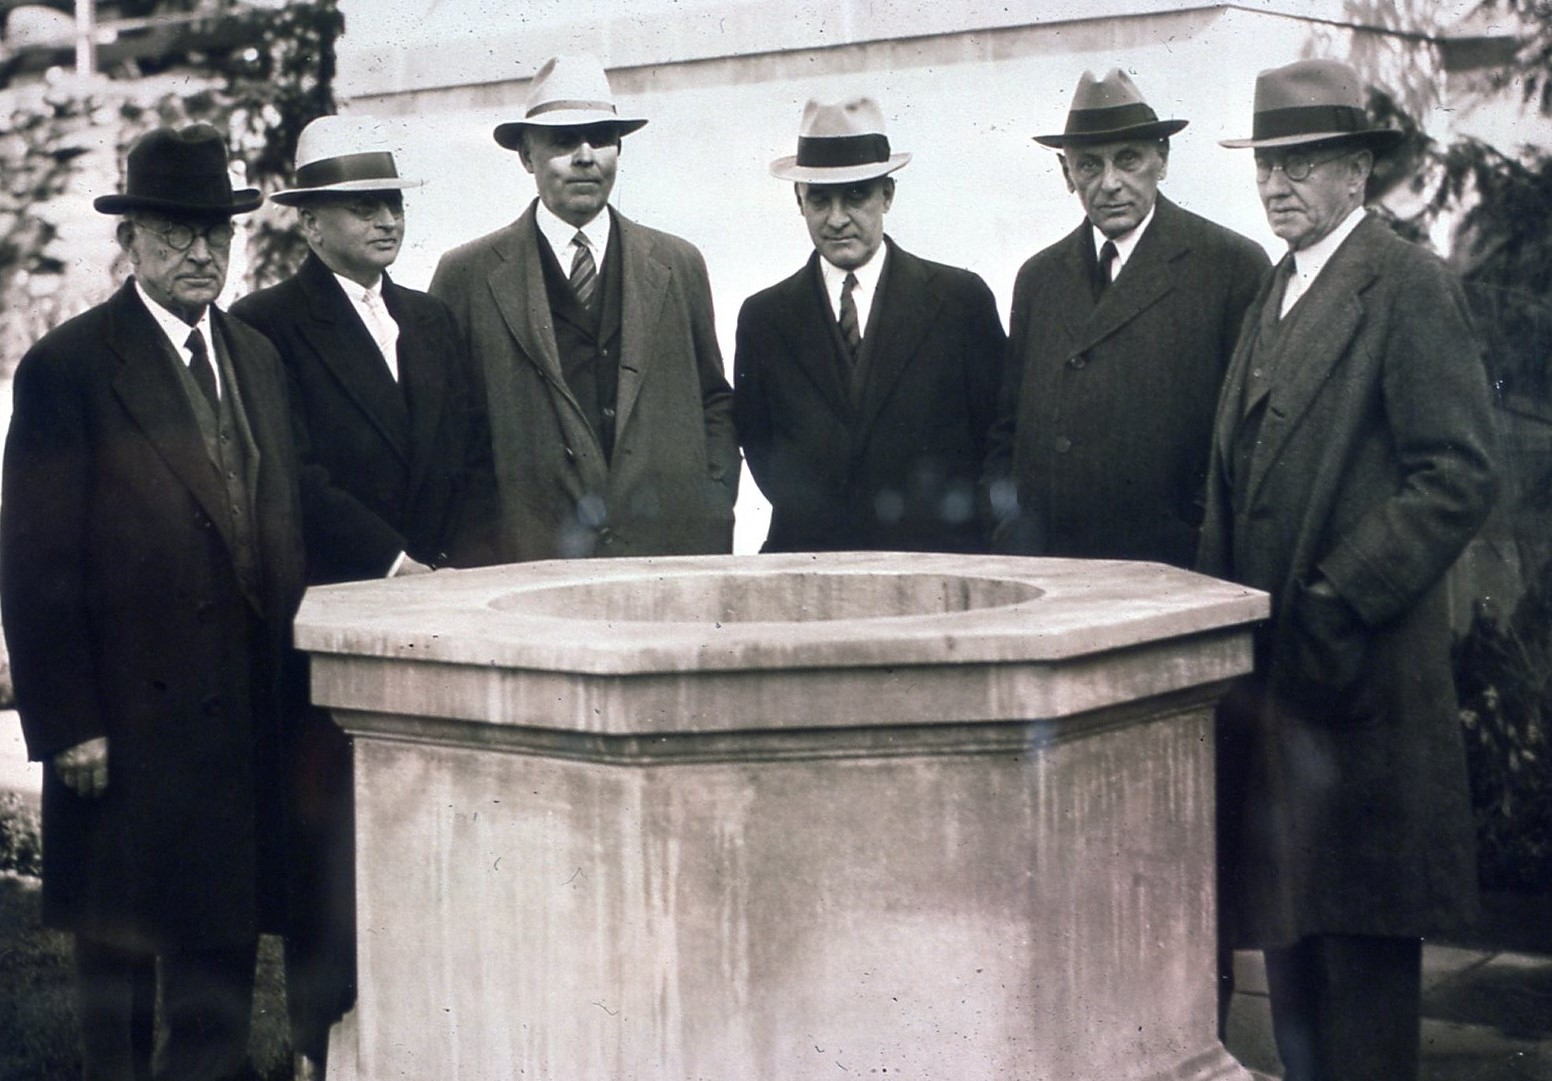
588	341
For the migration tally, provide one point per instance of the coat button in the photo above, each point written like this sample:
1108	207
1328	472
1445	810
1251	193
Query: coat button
1062	444
1077	362
609	411
571	455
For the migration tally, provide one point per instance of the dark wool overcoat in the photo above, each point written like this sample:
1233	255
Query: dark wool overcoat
385	464
1342	769
888	459
669	485
1100	448
125	618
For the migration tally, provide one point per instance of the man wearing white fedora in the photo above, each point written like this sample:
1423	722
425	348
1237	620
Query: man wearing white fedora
865	384
611	418
1120	334
380	391
1352	460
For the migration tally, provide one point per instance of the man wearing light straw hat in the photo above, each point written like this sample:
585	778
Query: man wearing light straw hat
390	448
1351	463
611	418
864	384
1119	338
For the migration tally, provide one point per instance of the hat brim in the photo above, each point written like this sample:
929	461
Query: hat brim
298	196
510	134
243	200
787	168
1156	129
1374	139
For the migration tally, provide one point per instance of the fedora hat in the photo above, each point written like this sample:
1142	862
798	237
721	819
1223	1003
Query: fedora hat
1312	101
568	92
342	154
1109	110
180	172
840	142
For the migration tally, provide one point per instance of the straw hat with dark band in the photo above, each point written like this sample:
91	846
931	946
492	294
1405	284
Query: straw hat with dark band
840	142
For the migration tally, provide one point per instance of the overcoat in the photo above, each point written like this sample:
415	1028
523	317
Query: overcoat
669	486
1105	420
125	618
892	464
1342	767
385	464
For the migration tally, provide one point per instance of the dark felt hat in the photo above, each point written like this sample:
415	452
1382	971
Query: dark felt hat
180	172
1312	101
1109	110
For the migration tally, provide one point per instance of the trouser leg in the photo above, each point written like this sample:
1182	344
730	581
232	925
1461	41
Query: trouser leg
1345	1007
207	1003
115	992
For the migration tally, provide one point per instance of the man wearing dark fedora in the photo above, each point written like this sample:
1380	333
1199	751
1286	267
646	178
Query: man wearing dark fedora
611	418
1118	340
150	564
390	448
1352	460
865	384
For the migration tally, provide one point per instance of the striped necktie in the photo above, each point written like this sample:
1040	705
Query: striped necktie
584	272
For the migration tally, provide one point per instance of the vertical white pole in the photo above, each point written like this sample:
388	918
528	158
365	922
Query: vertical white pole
85	37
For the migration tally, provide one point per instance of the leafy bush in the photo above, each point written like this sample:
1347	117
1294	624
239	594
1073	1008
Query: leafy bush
21	842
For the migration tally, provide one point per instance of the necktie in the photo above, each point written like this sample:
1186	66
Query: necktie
1107	261
384	331
1287	287
849	329
199	367
584	272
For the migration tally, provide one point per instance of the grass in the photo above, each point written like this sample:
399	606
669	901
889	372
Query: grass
37	1014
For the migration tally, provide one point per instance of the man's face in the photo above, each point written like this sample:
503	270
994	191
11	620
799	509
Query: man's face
573	168
356	235
183	281
846	221
1117	183
1308	192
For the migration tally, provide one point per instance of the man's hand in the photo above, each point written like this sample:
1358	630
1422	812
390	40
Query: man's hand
411	566
84	767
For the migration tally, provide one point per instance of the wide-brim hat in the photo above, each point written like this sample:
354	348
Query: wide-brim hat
841	142
343	154
568	92
1312	101
1109	110
179	172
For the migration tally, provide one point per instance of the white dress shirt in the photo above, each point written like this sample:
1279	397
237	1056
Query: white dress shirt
368	302
177	332
1308	263
561	236
1125	244
862	294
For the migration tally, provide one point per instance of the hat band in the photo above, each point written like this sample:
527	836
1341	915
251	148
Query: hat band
576	106
374	165
839	151
1310	120
1110	118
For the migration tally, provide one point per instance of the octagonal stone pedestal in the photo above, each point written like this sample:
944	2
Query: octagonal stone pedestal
784	818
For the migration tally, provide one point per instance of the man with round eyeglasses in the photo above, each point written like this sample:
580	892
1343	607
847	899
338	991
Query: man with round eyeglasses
1352	460
150	564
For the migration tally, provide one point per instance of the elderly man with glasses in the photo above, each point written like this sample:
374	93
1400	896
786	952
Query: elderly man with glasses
1352	461
150	564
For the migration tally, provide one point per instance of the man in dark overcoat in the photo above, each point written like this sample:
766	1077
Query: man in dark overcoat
865	384
1352	461
389	446
1120	334
611	418
150	564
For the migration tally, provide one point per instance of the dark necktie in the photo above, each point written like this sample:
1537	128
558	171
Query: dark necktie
584	272
199	367
849	329
1107	261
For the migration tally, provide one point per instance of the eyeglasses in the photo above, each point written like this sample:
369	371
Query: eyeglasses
1294	165
367	207
180	236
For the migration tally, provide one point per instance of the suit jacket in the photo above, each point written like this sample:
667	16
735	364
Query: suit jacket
668	487
1100	448
1343	771
385	463
125	618
895	465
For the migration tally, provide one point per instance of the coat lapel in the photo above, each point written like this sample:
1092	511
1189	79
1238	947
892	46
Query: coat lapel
1145	280
342	343
423	376
902	313
644	280
1315	342
148	386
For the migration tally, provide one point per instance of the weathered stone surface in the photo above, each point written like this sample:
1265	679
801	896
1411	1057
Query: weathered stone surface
925	816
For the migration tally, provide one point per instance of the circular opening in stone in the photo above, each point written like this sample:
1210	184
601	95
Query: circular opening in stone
796	597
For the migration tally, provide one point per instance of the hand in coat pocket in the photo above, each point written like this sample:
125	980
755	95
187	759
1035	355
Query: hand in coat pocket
1330	655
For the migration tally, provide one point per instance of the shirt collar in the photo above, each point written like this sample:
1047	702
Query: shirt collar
560	233
173	326
867	274
1310	261
356	291
1126	243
